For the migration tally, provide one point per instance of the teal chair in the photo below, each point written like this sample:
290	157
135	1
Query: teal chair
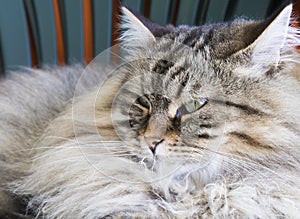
34	33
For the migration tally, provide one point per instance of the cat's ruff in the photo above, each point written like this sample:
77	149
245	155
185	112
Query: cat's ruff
65	152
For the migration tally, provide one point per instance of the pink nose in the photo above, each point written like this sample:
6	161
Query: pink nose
153	142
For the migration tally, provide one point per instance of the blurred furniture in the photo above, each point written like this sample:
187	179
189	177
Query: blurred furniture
34	33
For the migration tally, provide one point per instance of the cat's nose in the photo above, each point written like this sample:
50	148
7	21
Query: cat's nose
153	142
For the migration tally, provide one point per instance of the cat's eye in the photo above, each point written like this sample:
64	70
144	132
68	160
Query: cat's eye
144	102
193	106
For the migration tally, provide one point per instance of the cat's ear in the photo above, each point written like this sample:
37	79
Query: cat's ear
276	40
138	30
134	31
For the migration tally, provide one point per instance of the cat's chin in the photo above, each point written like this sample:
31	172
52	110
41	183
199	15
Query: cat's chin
177	181
179	170
198	173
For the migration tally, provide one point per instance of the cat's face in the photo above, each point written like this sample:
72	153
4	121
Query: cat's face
174	113
176	104
202	95
177	129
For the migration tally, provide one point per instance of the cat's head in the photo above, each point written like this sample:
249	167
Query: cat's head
215	96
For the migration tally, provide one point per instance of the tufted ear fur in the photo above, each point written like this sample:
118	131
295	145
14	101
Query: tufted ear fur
138	30
274	45
135	33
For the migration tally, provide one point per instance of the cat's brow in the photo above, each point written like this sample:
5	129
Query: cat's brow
245	108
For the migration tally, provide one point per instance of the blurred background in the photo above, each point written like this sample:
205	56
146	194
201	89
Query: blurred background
35	33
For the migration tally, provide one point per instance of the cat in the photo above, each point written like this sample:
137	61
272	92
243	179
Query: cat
192	122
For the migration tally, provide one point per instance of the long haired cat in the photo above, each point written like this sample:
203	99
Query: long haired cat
197	122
